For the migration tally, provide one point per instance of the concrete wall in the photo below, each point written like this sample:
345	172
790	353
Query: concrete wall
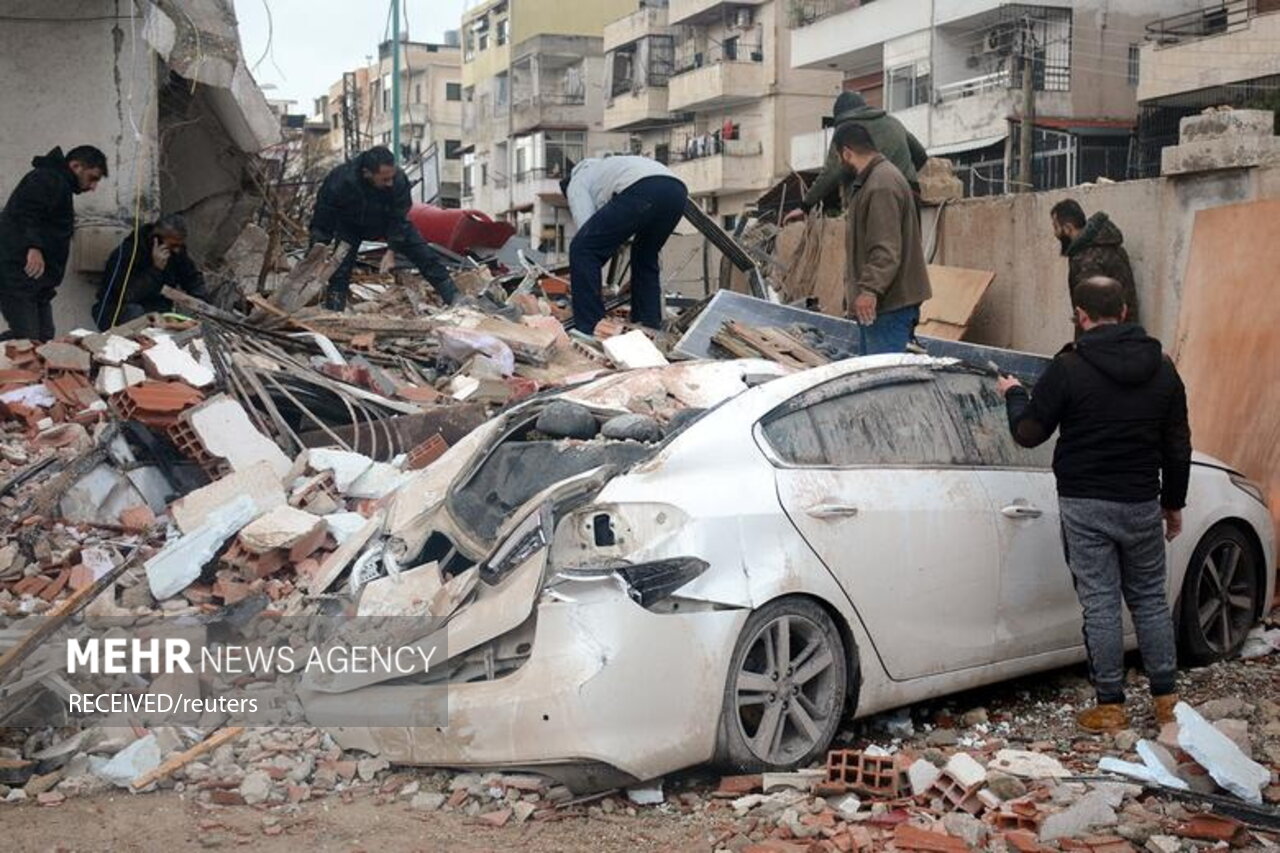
1246	54
1026	307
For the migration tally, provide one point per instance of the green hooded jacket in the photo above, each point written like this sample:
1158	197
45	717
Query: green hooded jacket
894	141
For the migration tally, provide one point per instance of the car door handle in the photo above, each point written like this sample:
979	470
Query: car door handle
1022	511
832	511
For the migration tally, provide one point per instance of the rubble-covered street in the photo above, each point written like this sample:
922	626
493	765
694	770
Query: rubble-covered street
278	789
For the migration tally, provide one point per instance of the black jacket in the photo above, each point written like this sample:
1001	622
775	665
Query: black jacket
145	282
1121	412
350	208
40	215
1099	250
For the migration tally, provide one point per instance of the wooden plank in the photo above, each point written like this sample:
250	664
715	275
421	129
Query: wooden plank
60	614
182	759
1228	348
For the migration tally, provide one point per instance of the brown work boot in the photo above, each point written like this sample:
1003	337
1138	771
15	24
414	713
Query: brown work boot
1105	719
1163	706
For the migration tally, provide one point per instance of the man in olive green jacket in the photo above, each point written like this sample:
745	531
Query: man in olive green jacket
886	276
894	141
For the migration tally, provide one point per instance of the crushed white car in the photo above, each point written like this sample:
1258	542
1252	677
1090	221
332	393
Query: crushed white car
792	549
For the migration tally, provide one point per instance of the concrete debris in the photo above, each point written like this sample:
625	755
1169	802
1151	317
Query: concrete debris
1029	765
138	758
280	527
632	350
1081	818
1226	762
564	419
182	560
222	425
165	360
632	427
646	795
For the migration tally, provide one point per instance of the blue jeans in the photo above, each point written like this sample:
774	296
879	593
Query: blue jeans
891	332
649	210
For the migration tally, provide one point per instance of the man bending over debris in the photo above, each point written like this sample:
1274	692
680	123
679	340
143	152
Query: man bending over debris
885	272
368	199
35	236
141	267
1122	463
612	200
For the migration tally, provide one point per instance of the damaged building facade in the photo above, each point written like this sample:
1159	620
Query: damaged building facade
162	88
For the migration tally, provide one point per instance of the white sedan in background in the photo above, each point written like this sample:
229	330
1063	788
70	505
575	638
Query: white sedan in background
796	550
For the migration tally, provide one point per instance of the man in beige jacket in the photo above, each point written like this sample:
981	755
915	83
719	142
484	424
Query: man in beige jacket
886	276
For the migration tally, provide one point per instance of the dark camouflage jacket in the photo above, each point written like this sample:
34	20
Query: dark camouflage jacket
1099	250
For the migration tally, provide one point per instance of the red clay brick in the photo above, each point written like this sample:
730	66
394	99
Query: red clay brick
907	837
137	518
745	784
51	590
426	453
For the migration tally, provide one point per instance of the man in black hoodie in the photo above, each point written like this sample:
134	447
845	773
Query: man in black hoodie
368	199
35	237
1122	462
141	267
1093	247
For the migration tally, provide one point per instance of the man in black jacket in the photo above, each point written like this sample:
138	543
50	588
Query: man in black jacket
368	199
141	267
35	237
1122	462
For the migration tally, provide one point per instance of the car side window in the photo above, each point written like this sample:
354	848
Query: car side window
982	424
895	423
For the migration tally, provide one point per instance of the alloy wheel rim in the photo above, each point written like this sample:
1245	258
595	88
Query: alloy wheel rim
785	691
1224	601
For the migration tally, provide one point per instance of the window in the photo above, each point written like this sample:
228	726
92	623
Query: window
731	49
335	121
729	223
982	424
503	31
1135	54
908	86
484	42
417	93
452	148
561	146
453	91
897	421
469	46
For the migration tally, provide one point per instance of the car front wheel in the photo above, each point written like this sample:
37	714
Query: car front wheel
786	689
1219	601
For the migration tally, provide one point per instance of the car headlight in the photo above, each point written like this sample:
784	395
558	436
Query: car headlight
1249	487
645	583
528	538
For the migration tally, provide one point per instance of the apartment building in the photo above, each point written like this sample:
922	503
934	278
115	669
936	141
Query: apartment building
952	72
430	114
709	88
1223	53
532	101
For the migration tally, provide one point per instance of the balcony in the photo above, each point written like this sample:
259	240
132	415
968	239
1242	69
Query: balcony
703	11
717	85
533	186
636	110
649	21
549	110
1209	49
739	166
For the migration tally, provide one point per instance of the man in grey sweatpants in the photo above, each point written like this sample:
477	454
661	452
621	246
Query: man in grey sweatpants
1122	462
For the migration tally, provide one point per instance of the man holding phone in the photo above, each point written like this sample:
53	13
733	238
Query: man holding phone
141	267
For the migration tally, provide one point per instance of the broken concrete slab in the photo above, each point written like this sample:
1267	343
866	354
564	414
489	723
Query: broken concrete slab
110	349
259	482
922	774
166	360
391	596
224	428
965	770
1217	753
1091	810
1157	767
1028	765
113	380
57	355
181	560
378	480
345	465
632	350
280	527
139	757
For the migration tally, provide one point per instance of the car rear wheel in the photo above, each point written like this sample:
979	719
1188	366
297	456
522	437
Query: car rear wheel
786	689
1220	593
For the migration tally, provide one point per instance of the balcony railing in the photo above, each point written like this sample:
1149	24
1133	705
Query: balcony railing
1223	18
690	60
802	13
971	87
698	146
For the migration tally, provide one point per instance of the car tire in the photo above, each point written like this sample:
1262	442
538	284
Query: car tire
1213	617
783	717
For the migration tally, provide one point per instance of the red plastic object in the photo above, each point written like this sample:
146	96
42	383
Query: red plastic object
459	230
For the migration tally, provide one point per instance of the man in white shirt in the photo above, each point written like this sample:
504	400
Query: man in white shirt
614	199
